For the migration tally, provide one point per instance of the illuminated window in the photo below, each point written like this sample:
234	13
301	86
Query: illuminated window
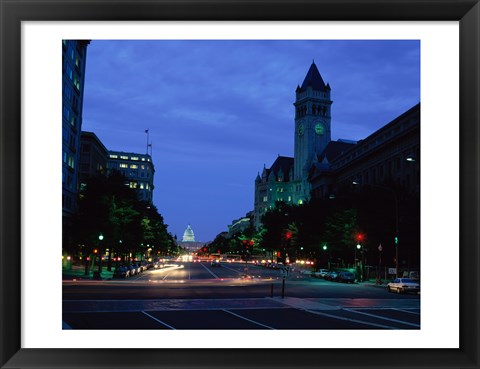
142	186
114	156
143	159
289	198
71	161
76	82
265	198
134	166
134	158
124	157
133	184
300	202
123	165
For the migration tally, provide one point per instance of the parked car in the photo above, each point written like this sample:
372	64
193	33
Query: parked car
306	272
132	270
121	272
331	276
403	285
346	277
141	266
321	273
135	269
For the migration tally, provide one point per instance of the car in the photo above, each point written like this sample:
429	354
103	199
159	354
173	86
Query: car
403	285
132	270
215	263
121	272
331	276
142	265
321	273
306	272
346	277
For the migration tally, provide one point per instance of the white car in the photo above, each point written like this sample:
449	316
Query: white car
321	273
403	285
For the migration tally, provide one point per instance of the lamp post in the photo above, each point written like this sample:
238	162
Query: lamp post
325	247
100	239
356	266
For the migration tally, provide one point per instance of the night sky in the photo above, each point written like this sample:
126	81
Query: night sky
217	111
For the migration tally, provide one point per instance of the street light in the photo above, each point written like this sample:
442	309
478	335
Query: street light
358	267
325	247
100	238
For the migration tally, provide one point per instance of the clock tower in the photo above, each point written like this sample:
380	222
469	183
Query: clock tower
312	128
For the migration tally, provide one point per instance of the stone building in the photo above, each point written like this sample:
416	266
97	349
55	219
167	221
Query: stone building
322	167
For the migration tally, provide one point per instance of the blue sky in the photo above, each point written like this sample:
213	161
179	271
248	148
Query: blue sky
217	111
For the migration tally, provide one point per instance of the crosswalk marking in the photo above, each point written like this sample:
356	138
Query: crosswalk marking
384	318
159	321
249	320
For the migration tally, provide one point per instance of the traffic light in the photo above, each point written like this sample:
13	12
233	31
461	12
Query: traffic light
359	237
95	251
396	240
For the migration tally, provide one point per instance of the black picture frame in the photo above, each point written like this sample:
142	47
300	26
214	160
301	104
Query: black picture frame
12	13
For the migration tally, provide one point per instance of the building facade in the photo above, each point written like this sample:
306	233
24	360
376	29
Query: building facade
287	179
188	242
240	225
321	167
390	155
312	129
137	168
93	156
74	57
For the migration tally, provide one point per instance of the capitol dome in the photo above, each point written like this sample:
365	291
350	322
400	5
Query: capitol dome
188	235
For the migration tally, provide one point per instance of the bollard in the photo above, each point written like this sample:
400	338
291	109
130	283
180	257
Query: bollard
283	287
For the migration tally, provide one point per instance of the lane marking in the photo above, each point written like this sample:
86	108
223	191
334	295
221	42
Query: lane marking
159	321
406	311
384	318
248	320
208	270
351	320
233	270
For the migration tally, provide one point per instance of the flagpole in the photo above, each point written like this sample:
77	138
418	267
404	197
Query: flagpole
147	132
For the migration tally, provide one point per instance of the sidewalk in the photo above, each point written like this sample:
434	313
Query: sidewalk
77	272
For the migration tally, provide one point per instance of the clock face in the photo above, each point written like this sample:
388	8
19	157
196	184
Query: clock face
319	129
301	129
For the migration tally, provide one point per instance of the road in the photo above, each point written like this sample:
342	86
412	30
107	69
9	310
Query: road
197	296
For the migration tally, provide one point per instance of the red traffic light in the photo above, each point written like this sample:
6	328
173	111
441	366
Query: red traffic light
288	235
359	237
